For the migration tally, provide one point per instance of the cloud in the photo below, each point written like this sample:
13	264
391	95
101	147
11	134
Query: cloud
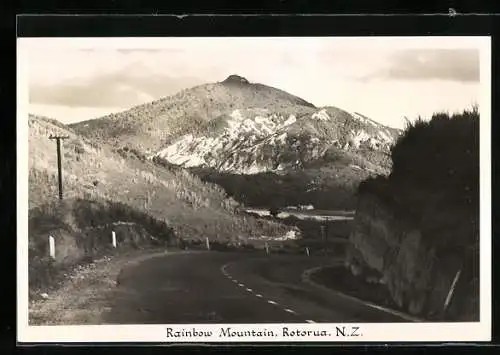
459	65
129	86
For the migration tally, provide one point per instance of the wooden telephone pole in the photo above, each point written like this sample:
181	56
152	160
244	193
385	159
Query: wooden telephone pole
59	167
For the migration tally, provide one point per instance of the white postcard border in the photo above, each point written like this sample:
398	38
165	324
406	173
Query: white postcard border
380	332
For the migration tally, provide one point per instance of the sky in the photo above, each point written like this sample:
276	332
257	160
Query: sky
385	79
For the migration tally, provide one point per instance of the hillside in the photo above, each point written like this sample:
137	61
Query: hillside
104	186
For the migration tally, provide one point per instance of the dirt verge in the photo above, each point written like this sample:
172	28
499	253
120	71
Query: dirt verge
86	292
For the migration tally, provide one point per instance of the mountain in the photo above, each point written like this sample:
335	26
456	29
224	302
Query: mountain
222	131
269	159
150	127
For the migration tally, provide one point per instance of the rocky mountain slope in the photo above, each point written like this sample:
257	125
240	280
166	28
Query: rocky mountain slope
259	140
234	127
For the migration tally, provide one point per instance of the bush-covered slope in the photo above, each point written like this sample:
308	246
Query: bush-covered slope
123	180
420	225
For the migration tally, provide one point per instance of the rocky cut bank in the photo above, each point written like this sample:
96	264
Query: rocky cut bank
418	228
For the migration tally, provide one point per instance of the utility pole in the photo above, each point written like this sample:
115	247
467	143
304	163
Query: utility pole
59	167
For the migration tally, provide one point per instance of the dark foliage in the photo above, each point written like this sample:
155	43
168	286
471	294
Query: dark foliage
434	183
278	191
442	153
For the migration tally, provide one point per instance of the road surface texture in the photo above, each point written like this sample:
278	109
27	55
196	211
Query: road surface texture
228	287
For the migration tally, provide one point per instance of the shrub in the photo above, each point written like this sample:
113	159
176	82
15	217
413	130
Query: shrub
441	153
434	183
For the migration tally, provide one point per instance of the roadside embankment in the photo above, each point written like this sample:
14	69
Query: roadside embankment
82	231
417	231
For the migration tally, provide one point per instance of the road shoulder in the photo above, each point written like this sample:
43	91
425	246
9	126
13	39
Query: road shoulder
85	295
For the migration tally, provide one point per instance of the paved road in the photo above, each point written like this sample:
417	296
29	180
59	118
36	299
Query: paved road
218	287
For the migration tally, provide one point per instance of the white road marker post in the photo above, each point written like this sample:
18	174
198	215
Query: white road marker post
113	239
307	251
52	247
267	249
208	243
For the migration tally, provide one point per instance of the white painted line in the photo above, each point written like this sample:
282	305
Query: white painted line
258	295
289	310
235	281
271	302
241	285
249	289
377	307
310	321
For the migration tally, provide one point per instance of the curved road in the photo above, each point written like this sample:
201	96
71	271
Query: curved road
220	287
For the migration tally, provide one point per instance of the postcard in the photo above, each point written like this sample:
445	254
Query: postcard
254	189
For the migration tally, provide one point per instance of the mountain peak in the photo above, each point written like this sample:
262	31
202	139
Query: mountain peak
236	79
